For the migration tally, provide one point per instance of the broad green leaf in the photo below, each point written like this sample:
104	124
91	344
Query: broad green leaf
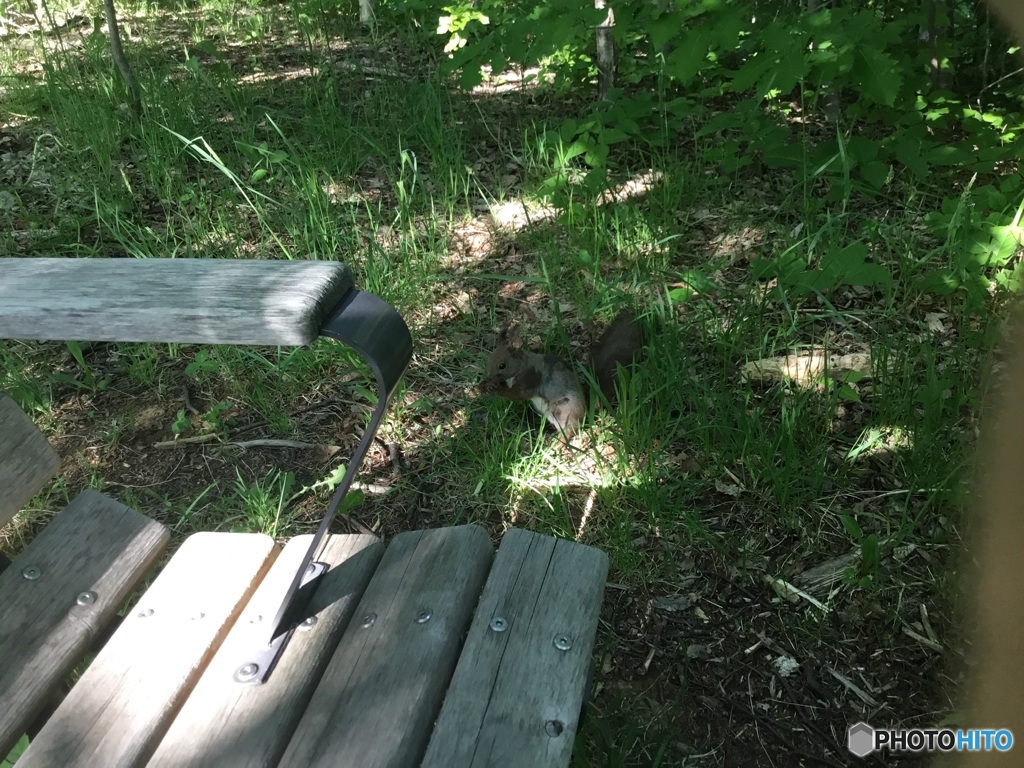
950	155
912	154
689	56
851	526
876	173
575	149
613	135
848	393
848	266
663	29
1000	246
881	77
861	149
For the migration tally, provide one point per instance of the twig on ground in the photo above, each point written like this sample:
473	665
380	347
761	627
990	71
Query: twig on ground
272	444
856	690
209	437
925	641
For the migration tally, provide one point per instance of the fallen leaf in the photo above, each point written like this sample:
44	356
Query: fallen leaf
729	489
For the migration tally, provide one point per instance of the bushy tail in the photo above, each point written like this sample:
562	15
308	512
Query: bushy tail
621	344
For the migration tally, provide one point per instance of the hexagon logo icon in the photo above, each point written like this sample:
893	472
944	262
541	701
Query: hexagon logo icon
860	739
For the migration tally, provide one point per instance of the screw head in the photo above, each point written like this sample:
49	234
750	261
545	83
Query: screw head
562	642
246	672
145	613
499	624
86	598
31	573
423	617
368	620
553	728
308	623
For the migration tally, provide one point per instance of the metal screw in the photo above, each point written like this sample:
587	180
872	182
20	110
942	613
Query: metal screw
145	614
562	642
499	624
423	617
553	728
309	623
247	672
31	573
368	620
86	598
311	569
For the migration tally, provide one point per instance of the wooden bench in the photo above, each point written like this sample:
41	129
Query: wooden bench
430	651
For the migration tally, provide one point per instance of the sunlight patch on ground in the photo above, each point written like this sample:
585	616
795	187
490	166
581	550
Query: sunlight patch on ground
880	441
281	76
340	192
511	81
516	215
807	369
588	508
635	187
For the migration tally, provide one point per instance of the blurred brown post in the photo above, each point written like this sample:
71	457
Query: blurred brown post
995	614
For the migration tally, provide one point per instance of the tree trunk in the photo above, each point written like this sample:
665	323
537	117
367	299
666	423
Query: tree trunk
605	51
119	58
933	45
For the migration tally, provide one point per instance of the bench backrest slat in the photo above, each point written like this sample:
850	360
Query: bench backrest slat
379	696
124	702
27	461
60	593
225	722
215	301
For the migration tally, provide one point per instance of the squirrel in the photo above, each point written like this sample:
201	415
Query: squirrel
550	383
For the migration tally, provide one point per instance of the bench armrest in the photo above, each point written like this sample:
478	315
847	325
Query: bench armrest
212	301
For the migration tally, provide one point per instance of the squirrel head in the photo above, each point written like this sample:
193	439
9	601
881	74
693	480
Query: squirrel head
505	362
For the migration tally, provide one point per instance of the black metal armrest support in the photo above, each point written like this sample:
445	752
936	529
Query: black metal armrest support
379	334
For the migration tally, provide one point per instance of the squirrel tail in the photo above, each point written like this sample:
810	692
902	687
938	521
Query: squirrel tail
621	344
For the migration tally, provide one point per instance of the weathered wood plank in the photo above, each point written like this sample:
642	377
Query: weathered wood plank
382	690
27	461
59	594
227	723
515	697
216	301
123	703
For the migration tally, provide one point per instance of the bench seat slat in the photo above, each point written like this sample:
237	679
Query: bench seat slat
227	723
515	697
124	702
96	545
27	460
381	692
216	301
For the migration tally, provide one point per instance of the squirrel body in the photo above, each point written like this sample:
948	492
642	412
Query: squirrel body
549	383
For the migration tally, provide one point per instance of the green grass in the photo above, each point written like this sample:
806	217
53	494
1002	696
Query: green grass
387	168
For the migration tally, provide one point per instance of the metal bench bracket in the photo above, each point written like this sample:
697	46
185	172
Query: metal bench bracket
379	334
